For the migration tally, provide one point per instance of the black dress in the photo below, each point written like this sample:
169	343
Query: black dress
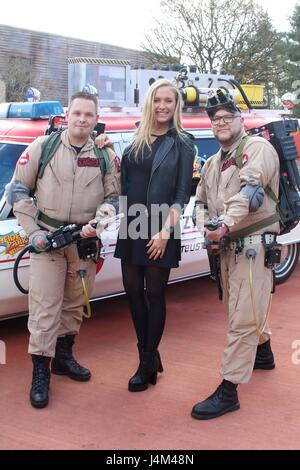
134	251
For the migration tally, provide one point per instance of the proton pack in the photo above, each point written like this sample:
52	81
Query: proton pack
63	236
283	135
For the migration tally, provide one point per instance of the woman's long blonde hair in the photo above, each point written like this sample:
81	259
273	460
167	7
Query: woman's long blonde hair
142	135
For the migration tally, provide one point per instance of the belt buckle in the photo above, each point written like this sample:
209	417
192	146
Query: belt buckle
268	239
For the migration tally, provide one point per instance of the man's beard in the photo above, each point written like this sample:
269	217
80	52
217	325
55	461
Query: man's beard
233	137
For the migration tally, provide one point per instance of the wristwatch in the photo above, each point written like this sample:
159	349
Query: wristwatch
169	228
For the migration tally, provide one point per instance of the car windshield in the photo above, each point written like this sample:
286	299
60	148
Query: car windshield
9	154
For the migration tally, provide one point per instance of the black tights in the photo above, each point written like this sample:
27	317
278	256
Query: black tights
148	308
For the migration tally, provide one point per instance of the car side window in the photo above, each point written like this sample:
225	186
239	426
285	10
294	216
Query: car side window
9	155
120	141
205	147
118	149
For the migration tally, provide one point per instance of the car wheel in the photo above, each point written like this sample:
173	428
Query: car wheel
289	260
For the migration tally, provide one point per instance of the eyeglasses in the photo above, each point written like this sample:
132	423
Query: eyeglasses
216	121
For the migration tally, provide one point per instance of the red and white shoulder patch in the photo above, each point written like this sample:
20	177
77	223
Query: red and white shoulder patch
245	159
24	158
118	163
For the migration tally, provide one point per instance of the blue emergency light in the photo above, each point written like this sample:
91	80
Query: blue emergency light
31	110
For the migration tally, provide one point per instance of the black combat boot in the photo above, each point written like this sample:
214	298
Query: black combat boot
146	373
40	381
65	364
264	357
223	400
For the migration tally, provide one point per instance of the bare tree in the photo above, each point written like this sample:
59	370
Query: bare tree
233	35
17	75
164	46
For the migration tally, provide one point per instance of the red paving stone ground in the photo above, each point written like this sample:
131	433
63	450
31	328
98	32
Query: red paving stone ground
102	414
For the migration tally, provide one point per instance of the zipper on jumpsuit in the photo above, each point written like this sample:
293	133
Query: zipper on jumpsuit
220	172
75	165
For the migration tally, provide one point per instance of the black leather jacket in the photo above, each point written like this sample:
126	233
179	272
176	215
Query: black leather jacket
171	174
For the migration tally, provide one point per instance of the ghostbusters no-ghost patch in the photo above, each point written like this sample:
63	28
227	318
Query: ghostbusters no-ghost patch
117	163
24	158
245	159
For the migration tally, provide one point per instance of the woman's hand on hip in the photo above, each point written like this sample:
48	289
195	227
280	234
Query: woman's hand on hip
157	245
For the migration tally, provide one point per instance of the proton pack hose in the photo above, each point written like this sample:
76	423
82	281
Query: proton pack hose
16	267
58	239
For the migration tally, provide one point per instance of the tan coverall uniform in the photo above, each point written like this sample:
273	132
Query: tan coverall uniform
71	190
219	191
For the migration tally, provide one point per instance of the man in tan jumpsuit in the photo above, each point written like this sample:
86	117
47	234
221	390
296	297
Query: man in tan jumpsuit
238	196
71	190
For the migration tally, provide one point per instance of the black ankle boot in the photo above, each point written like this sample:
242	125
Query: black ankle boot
157	356
223	400
64	362
159	363
146	373
264	357
40	381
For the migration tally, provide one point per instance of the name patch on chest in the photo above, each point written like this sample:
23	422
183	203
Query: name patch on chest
228	164
92	162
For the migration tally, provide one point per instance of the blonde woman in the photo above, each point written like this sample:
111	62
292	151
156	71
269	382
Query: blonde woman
156	176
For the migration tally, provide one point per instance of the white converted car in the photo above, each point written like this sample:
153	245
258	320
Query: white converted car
15	135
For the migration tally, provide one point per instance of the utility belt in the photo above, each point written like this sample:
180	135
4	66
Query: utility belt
250	244
52	222
268	240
